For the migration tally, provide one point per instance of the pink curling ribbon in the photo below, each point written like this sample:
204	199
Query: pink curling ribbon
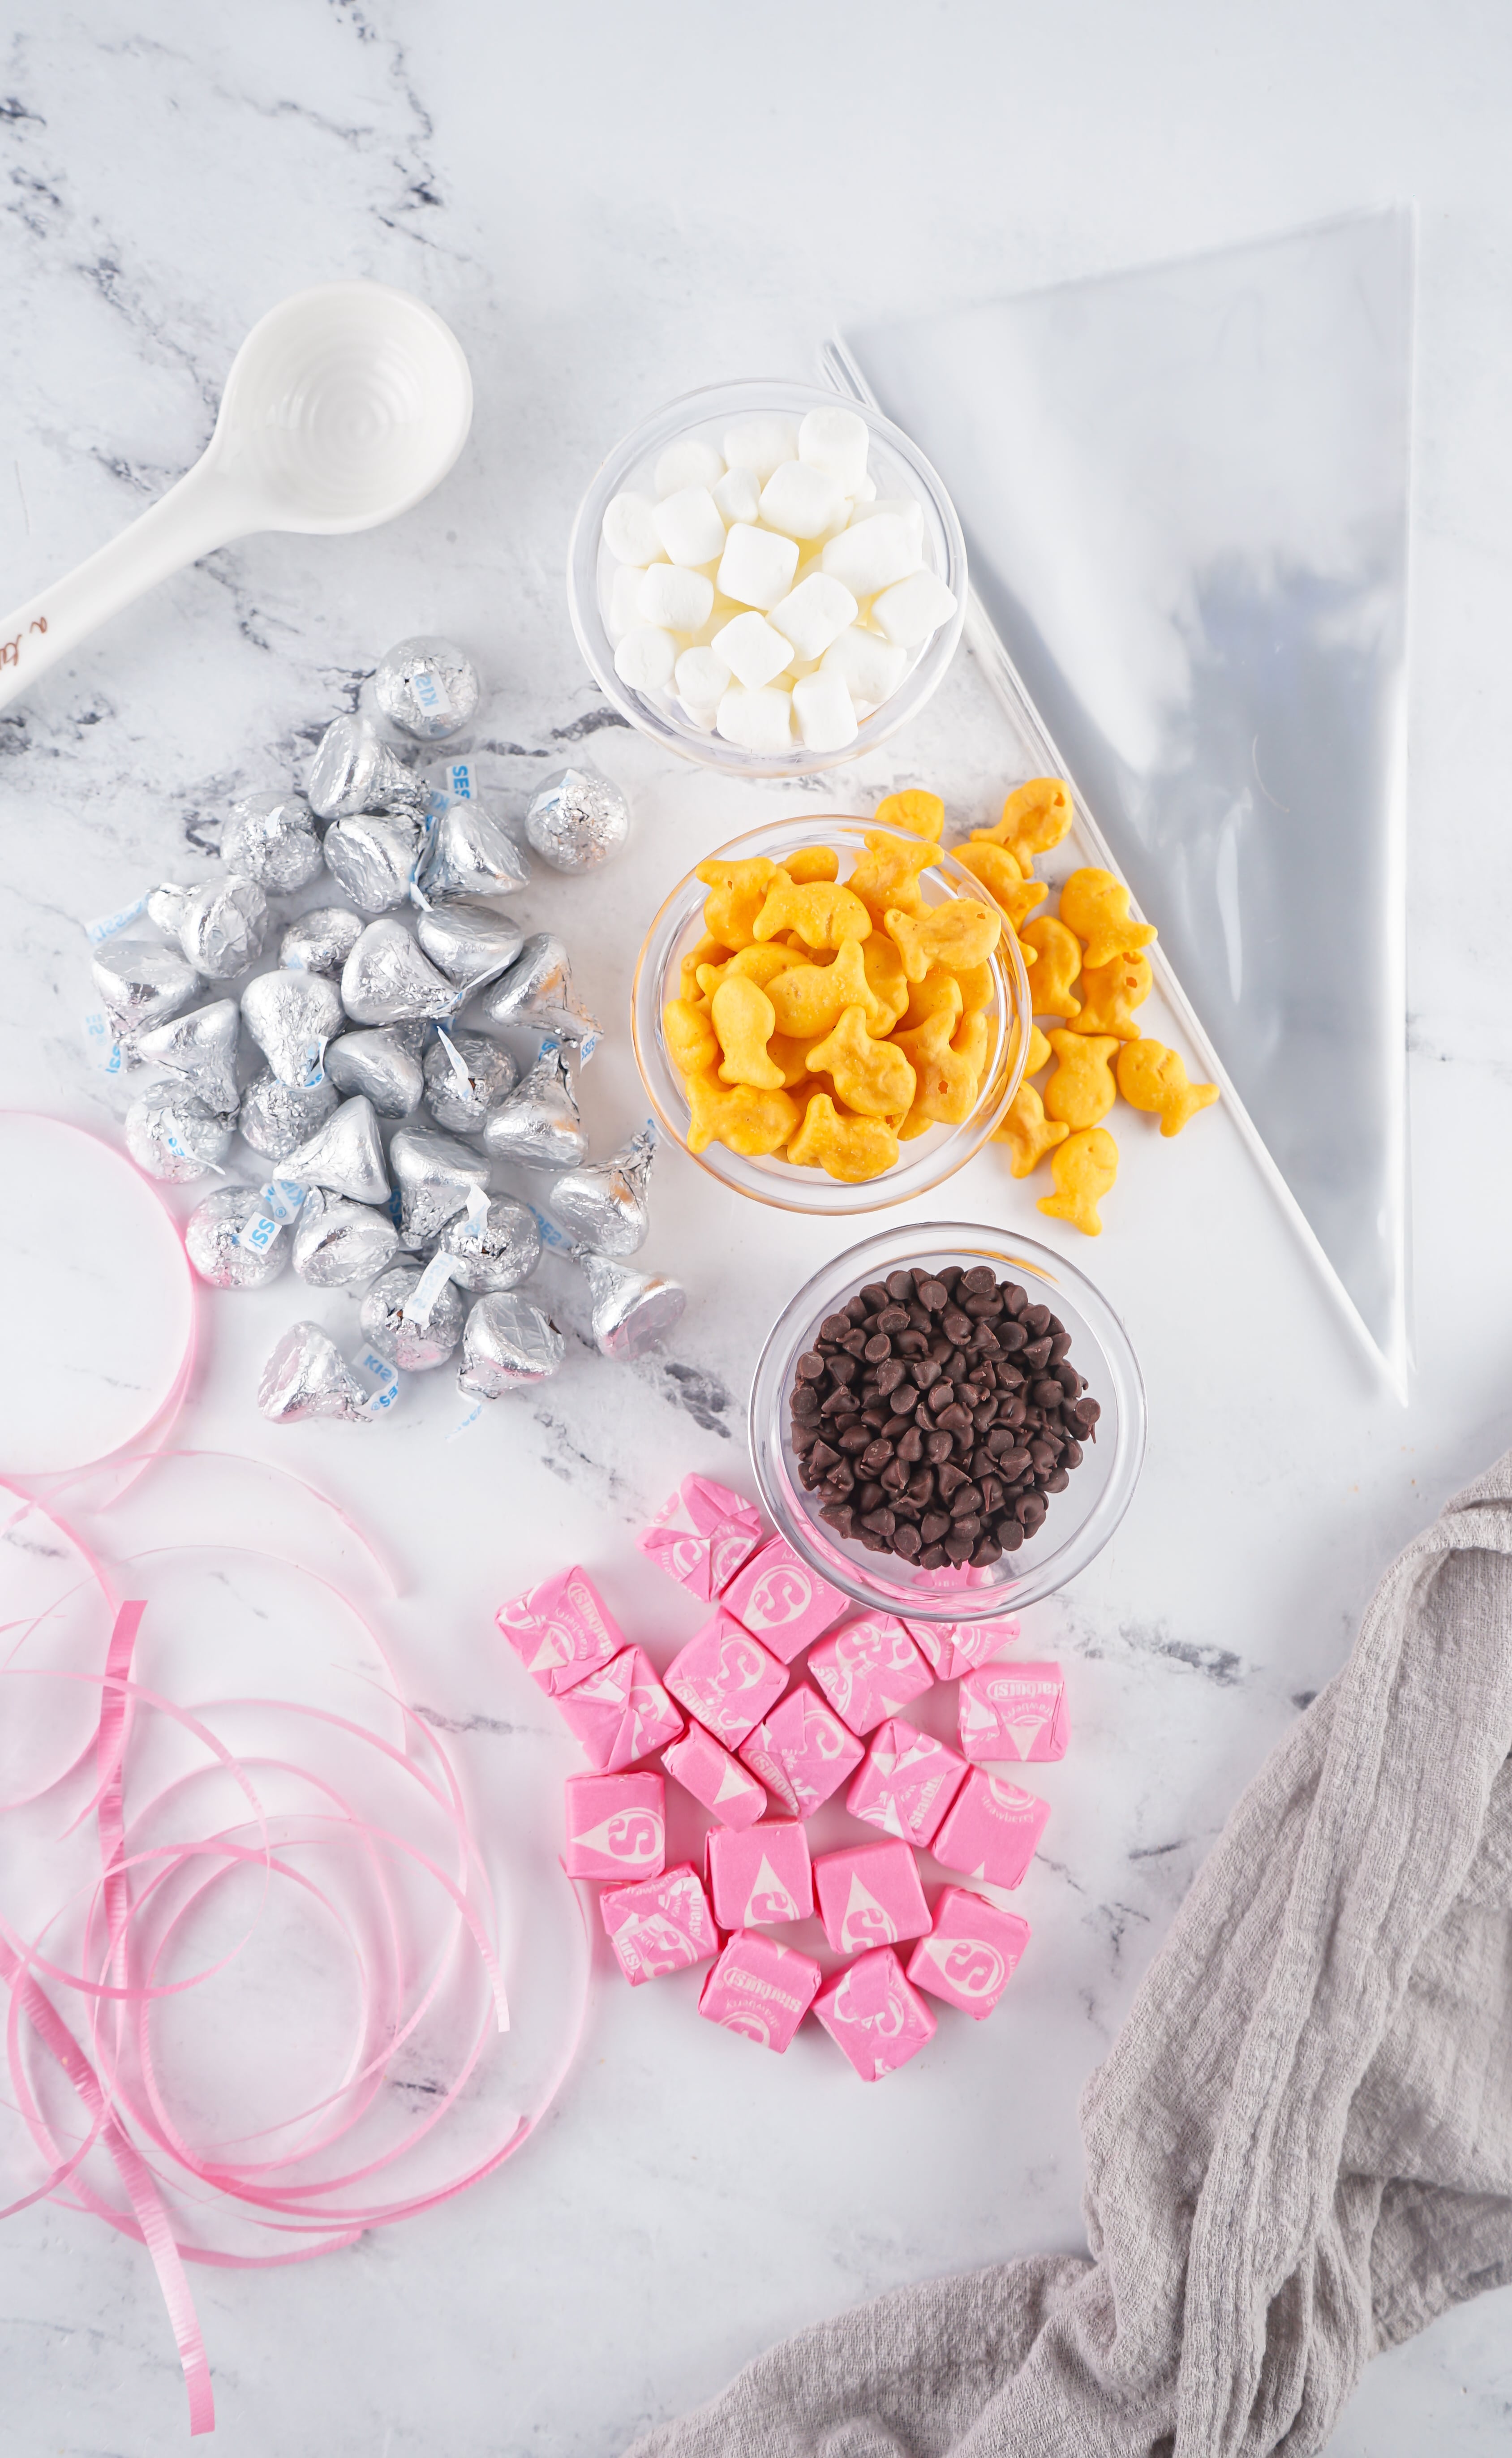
290	2178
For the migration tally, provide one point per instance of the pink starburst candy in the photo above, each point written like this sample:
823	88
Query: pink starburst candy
726	1678
701	1535
870	1895
1014	1711
801	1751
871	2012
617	1827
620	1712
759	1874
907	1783
969	1955
869	1669
954	1647
760	1989
782	1601
990	1830
716	1780
660	1925
561	1630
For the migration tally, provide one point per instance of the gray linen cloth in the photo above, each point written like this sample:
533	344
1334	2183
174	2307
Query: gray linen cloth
1299	2149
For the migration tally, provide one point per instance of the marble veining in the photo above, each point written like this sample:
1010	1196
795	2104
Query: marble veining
608	217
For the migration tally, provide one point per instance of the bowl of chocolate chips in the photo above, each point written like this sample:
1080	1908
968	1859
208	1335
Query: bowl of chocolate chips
948	1422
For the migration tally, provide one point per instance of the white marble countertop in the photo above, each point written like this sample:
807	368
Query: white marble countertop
610	207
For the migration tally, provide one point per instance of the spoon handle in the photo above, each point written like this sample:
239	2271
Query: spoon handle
203	510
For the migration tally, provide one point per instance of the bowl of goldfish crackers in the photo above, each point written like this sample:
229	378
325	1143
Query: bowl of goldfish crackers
833	1015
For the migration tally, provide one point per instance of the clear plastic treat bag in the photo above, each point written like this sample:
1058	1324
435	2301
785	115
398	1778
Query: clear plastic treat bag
1185	493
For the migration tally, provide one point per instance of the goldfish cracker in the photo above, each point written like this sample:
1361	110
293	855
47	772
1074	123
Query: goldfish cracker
1084	1169
708	951
738	893
849	1149
751	1122
938	991
947	1082
922	814
969	1042
815	861
791	1058
873	1077
1040	1052
1095	906
1027	1132
887	873
823	915
1058	960
758	964
1082	1090
1152	1077
809	999
960	932
1004	881
689	1036
977	986
745	1021
886	979
1109	994
1035	818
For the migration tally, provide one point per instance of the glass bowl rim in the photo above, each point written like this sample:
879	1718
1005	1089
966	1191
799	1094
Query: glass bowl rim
769	1393
592	634
820	1202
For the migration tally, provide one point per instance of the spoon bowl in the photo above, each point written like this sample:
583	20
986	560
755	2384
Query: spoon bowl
345	404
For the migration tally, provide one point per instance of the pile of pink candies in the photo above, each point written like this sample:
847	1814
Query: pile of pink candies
761	1738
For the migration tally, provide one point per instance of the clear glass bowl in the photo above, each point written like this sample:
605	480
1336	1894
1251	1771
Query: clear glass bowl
899	468
927	1160
1079	1521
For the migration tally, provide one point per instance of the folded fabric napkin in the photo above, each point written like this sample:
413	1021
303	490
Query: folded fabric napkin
1299	2149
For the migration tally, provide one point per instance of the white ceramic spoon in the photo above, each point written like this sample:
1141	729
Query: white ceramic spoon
344	405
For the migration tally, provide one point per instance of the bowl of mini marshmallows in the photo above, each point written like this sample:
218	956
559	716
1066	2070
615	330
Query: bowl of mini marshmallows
766	578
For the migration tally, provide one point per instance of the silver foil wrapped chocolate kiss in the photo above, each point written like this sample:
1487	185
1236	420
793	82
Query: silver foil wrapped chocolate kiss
172	1135
468	854
336	1241
142	983
291	1018
428	686
537	993
213	1241
632	1310
577	820
508	1344
539	1123
495	1251
354	770
472	943
222	926
271	837
603	1202
372	857
201	1047
275	1118
345	1157
435	1176
320	941
386	978
415	1345
307	1376
466	1077
379	1063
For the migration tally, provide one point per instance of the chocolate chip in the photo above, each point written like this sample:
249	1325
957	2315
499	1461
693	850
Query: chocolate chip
933	1525
938	1446
877	1348
907	1542
893	1318
911	1446
890	1373
900	1286
874	1296
810	1367
839	1517
877	1455
950	1479
1037	1355
931	1293
958	1548
894	1476
980	1281
853	1439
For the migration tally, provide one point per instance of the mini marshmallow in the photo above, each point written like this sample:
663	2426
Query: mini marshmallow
908	507
867	491
870	667
689	462
835	441
824	712
624	600
912	608
800	501
813	613
677	599
757	567
644	659
690	531
760	444
868	555
757	721
738	497
702	679
629	530
752	651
